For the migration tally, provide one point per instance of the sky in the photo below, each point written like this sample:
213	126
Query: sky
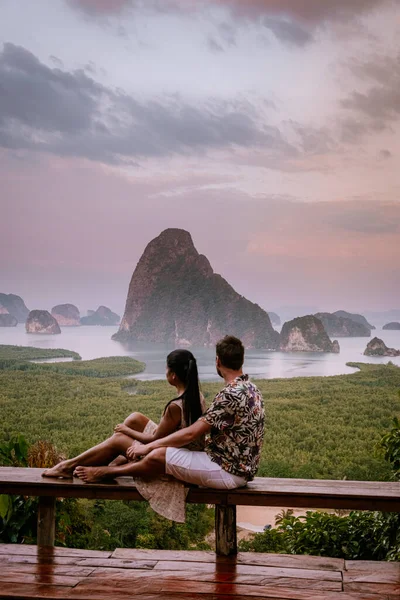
269	129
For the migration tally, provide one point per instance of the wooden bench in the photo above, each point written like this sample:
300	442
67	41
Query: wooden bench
292	493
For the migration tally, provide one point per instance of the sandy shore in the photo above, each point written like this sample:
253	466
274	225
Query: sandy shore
254	518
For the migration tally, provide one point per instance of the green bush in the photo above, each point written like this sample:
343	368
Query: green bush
361	535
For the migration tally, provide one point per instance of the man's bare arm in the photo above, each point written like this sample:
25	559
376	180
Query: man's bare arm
178	439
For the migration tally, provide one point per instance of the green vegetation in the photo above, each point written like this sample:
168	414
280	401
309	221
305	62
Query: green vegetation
16	358
113	366
317	427
29	353
100	524
358	536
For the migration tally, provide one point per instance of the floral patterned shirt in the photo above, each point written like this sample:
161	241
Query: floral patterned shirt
236	417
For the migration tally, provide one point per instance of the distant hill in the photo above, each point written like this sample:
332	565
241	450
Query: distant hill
103	316
175	297
380	318
66	315
354	317
377	347
41	321
15	306
393	326
275	319
306	334
342	327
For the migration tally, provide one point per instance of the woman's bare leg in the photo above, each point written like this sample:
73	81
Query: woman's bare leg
101	454
135	421
151	465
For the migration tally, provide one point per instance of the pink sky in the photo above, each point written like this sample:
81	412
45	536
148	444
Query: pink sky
269	130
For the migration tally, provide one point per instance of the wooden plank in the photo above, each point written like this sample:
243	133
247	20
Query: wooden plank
29	578
317	500
11	475
78	561
373	576
46	522
370	566
249	570
28	591
216	577
250	558
42	592
30	550
260	492
179	555
385	590
45	569
291	561
225	530
189	589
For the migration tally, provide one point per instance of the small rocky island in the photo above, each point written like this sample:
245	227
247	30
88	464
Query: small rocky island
306	334
275	319
15	306
41	321
377	347
66	315
394	326
175	297
103	316
336	326
354	317
7	320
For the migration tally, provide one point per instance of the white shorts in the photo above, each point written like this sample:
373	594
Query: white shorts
198	468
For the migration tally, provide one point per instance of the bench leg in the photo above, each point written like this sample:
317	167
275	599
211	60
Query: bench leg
46	526
225	530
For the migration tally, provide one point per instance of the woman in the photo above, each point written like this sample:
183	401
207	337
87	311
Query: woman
179	412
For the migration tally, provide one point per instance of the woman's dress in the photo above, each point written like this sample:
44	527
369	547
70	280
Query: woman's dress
166	495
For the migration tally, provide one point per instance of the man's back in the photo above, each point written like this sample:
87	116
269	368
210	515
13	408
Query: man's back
236	417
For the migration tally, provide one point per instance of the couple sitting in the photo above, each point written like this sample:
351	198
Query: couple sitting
234	424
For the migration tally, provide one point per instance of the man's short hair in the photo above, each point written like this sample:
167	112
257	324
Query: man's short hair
230	352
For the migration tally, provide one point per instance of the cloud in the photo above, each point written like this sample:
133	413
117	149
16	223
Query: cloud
385	154
100	7
372	219
308	10
69	113
378	105
56	61
361	231
213	45
313	140
288	31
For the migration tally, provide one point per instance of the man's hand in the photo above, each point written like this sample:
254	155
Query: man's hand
137	449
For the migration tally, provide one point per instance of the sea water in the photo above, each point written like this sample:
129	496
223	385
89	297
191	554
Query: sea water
96	342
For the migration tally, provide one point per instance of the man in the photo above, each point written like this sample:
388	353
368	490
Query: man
234	422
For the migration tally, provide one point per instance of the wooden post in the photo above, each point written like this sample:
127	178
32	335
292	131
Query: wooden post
225	530
46	526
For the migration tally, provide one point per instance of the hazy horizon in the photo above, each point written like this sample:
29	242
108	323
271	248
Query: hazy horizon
268	129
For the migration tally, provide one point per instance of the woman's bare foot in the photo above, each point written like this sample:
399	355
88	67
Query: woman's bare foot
92	474
60	470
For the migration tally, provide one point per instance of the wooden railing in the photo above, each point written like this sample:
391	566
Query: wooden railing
291	493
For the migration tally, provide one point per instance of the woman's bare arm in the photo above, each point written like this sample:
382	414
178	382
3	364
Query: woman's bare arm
169	423
178	439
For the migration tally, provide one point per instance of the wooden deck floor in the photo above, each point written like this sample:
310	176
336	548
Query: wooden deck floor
30	572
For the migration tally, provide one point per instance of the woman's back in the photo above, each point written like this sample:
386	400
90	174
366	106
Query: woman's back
199	444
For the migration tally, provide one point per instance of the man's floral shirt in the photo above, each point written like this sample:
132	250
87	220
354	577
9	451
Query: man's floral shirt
236	417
